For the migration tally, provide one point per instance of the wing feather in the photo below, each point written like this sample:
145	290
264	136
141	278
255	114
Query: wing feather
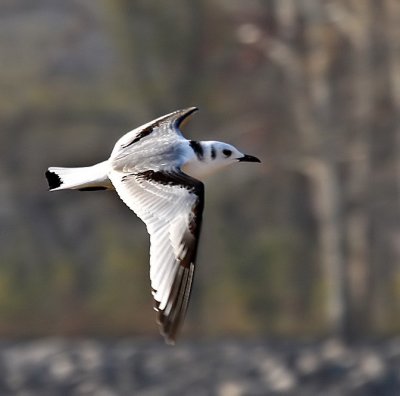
139	141
171	206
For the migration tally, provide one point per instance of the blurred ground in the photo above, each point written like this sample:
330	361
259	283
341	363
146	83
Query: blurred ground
52	367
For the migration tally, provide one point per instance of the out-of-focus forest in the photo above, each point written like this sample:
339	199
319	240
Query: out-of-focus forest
306	244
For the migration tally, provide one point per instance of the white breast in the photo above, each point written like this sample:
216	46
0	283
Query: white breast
198	170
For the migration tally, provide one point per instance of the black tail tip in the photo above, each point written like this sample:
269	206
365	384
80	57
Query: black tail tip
53	179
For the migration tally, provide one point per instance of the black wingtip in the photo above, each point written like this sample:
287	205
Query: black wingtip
183	115
53	179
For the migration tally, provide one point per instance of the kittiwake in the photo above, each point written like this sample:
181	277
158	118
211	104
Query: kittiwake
157	173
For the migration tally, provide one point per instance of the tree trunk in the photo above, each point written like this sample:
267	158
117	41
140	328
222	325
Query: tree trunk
309	91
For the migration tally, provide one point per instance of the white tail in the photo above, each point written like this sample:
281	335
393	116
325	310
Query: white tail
86	178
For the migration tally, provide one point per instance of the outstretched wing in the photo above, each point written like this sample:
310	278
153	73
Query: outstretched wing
165	127
171	206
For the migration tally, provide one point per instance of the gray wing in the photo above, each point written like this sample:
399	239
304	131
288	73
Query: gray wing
171	206
138	145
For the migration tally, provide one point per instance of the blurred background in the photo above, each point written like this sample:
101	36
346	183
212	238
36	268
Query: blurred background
300	254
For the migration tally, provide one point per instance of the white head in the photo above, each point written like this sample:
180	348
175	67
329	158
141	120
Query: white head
210	156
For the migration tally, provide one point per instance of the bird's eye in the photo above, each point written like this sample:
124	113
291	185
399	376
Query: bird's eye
227	152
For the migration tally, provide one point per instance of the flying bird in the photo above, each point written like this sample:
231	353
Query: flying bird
157	173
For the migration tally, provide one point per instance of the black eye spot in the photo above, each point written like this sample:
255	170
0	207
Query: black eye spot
227	152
